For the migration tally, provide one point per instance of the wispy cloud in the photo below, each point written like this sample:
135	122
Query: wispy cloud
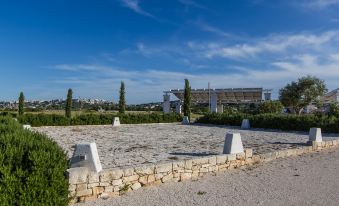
318	4
193	4
134	5
270	44
208	28
270	61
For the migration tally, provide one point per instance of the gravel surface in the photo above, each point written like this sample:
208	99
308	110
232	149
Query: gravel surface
310	179
140	144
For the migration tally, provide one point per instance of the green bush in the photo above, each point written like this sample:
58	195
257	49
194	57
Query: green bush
275	121
334	110
270	107
32	167
41	119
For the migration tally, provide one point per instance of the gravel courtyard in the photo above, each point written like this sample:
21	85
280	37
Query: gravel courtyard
140	144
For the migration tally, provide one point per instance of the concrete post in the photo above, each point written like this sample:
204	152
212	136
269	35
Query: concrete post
233	144
245	124
315	135
214	102
86	155
26	126
178	108
185	120
166	106
116	122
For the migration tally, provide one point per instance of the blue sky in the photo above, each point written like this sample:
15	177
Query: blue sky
47	47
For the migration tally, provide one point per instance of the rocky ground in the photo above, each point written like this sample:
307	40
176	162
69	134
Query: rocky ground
310	179
139	144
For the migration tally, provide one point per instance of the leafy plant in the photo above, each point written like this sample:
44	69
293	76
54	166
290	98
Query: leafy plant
31	167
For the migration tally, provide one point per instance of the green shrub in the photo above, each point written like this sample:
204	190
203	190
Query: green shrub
334	110
32	167
95	119
270	107
275	121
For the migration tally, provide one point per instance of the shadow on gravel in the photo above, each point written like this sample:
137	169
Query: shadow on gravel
192	154
290	143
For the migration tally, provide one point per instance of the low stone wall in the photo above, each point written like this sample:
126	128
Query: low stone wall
86	185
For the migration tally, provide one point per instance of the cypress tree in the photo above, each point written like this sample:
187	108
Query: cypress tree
68	107
187	100
122	102
21	103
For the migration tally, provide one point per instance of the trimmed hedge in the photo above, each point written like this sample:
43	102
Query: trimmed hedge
32	167
41	119
275	121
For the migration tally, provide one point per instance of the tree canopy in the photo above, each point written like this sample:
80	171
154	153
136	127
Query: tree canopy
298	95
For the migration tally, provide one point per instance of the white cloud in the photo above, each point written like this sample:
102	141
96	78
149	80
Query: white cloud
322	3
270	44
269	62
134	5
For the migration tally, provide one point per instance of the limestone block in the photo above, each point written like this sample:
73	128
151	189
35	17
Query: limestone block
221	159
82	186
128	171
143	180
245	124
233	144
84	192
136	186
185	120
188	164
116	122
86	155
200	161
150	178
77	175
109	175
231	157
130	178
98	190
167	178
178	165
93	177
315	135
117	182
185	176
248	153
164	168
240	156
93	185
104	184
212	160
145	170
27	126
109	189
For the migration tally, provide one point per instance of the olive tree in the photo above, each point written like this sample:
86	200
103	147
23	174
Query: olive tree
297	95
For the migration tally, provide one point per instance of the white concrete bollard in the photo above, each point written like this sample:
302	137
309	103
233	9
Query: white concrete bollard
233	144
245	124
116	122
315	135
86	155
185	120
26	126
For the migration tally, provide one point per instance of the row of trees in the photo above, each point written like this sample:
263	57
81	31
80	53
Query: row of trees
69	100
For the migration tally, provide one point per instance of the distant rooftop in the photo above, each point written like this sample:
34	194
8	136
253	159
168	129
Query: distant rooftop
226	95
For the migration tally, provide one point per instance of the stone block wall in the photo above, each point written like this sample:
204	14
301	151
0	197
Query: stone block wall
87	185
